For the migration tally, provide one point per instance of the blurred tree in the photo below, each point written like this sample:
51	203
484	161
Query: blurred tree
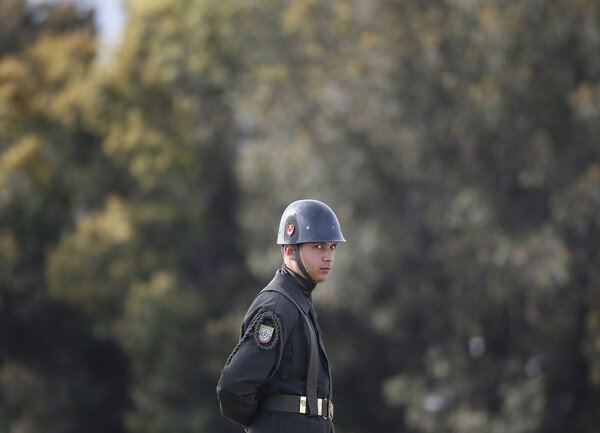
157	265
456	140
56	375
464	130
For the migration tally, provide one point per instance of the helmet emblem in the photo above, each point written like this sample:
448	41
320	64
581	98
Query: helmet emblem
290	229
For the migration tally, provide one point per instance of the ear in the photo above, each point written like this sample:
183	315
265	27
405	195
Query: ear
289	252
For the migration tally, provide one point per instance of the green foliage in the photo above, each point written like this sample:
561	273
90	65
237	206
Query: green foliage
56	375
457	142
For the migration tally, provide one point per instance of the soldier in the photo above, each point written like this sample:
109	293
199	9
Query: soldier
277	378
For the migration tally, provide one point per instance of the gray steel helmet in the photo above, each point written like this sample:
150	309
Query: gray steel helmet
308	221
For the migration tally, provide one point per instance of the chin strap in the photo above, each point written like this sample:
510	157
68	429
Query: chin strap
300	264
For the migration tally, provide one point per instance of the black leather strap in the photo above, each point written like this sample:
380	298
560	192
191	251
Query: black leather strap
296	249
293	404
316	323
313	367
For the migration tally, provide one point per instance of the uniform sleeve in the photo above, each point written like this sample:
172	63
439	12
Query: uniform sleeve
249	367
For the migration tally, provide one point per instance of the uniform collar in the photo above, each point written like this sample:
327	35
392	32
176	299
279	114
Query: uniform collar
299	288
306	286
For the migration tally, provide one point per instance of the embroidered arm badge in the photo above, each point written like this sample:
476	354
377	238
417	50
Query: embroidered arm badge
267	330
265	333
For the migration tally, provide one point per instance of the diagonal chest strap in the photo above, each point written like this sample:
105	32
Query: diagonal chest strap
311	377
319	333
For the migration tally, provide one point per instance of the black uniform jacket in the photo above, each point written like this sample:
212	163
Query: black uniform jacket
252	372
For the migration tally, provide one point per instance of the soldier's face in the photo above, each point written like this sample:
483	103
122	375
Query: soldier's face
318	258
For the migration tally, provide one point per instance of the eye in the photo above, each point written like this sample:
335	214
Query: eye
334	246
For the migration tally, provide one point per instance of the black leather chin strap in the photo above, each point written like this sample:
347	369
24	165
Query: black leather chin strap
300	264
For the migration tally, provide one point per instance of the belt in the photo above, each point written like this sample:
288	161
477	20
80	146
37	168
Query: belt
296	404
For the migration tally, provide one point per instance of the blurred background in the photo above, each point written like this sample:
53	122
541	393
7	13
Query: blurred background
145	161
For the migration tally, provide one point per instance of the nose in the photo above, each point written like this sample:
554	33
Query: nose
328	256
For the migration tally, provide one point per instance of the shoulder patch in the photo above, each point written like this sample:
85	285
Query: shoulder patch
265	333
267	330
